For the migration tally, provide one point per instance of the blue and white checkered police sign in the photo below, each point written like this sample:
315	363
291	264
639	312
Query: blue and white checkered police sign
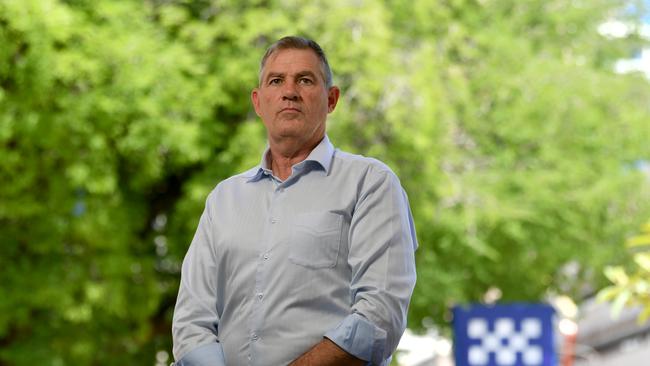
504	335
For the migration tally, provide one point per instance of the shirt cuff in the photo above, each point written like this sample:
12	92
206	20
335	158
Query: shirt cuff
210	354
360	338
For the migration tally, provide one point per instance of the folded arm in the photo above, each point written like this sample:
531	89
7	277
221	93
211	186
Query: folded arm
327	353
382	245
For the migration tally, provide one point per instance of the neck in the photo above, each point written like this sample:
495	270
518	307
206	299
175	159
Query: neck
283	158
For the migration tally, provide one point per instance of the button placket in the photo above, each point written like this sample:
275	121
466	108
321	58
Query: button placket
270	240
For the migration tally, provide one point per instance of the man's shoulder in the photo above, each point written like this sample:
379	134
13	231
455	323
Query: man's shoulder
237	179
363	163
243	176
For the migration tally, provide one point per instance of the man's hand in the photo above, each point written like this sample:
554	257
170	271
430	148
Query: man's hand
327	353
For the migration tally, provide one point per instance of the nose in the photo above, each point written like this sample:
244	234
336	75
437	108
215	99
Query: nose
289	92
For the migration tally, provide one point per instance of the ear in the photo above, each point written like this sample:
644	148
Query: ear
332	98
255	98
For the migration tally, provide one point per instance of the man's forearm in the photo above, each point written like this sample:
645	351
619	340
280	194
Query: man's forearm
327	353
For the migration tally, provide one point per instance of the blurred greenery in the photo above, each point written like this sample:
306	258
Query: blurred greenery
631	286
516	142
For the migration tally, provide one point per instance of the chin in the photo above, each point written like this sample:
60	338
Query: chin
291	129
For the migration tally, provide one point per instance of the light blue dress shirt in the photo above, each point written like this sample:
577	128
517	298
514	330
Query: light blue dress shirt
275	266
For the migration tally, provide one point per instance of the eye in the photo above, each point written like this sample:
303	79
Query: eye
306	81
275	81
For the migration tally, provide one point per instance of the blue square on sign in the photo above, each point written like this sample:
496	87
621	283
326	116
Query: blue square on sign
504	335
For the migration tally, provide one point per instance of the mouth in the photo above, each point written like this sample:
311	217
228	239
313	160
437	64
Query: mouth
290	109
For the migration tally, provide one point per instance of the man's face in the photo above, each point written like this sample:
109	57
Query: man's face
293	100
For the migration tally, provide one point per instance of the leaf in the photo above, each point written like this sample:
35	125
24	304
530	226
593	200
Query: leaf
643	260
644	315
620	301
638	241
617	275
608	293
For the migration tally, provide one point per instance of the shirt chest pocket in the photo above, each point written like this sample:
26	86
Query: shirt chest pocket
315	239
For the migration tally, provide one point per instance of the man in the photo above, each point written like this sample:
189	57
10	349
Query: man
306	259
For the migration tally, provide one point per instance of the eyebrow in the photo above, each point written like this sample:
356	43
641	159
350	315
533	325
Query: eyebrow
306	73
275	74
283	75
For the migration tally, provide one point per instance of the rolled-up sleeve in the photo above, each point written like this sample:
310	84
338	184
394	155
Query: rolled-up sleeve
196	320
382	257
207	354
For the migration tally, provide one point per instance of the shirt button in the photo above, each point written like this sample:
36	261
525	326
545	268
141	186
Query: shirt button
260	295
266	256
255	337
273	221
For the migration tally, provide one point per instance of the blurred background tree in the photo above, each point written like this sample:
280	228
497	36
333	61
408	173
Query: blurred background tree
514	138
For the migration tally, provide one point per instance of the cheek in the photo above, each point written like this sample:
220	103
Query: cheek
317	101
269	102
266	104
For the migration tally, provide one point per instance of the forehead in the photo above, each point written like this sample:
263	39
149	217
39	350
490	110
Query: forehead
292	61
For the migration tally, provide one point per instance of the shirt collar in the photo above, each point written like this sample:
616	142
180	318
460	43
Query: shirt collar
322	155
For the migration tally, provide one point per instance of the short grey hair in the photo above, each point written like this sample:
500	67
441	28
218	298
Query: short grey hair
299	43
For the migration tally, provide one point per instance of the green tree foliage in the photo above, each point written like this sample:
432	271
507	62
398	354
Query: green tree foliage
631	287
513	137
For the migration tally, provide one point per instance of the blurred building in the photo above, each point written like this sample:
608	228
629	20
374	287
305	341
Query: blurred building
608	340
